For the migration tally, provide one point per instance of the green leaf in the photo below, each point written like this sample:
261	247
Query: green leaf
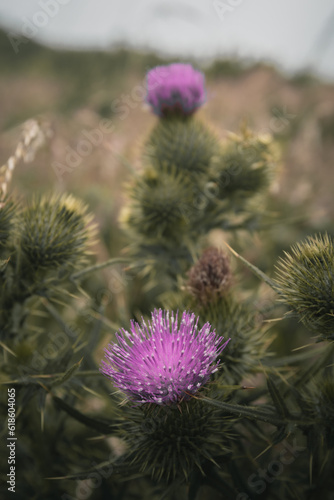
247	411
102	426
68	374
114	468
277	398
260	274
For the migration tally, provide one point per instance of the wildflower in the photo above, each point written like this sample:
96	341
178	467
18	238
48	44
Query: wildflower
175	88
162	362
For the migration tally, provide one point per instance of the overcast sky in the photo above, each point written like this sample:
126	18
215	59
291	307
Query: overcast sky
296	34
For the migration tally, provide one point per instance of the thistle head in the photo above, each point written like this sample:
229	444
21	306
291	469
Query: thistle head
305	281
211	275
163	361
55	232
175	89
246	164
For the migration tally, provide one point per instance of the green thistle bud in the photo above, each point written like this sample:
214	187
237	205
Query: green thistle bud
246	165
55	232
249	341
185	145
306	283
211	276
160	206
171	442
248	344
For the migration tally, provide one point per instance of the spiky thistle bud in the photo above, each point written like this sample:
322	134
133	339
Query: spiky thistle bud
175	89
211	275
163	362
249	343
161	206
305	281
246	165
56	232
172	443
188	147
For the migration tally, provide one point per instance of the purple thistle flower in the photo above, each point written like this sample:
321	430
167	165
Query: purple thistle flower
162	362
175	88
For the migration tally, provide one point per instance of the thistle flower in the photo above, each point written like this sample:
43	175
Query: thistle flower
162	362
306	282
176	88
210	276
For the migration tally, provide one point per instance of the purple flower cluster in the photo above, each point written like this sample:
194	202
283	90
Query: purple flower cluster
162	362
175	88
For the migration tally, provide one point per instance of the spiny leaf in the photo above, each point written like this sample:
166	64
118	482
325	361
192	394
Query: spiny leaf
68	374
260	274
103	426
277	397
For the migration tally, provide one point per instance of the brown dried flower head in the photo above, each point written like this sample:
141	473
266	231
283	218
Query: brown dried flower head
211	276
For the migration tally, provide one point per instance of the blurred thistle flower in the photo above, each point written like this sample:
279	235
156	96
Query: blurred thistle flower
175	89
56	231
162	362
210	276
306	283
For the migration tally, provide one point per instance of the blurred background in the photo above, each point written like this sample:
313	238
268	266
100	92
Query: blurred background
80	66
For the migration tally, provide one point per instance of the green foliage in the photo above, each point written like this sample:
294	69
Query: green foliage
8	212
